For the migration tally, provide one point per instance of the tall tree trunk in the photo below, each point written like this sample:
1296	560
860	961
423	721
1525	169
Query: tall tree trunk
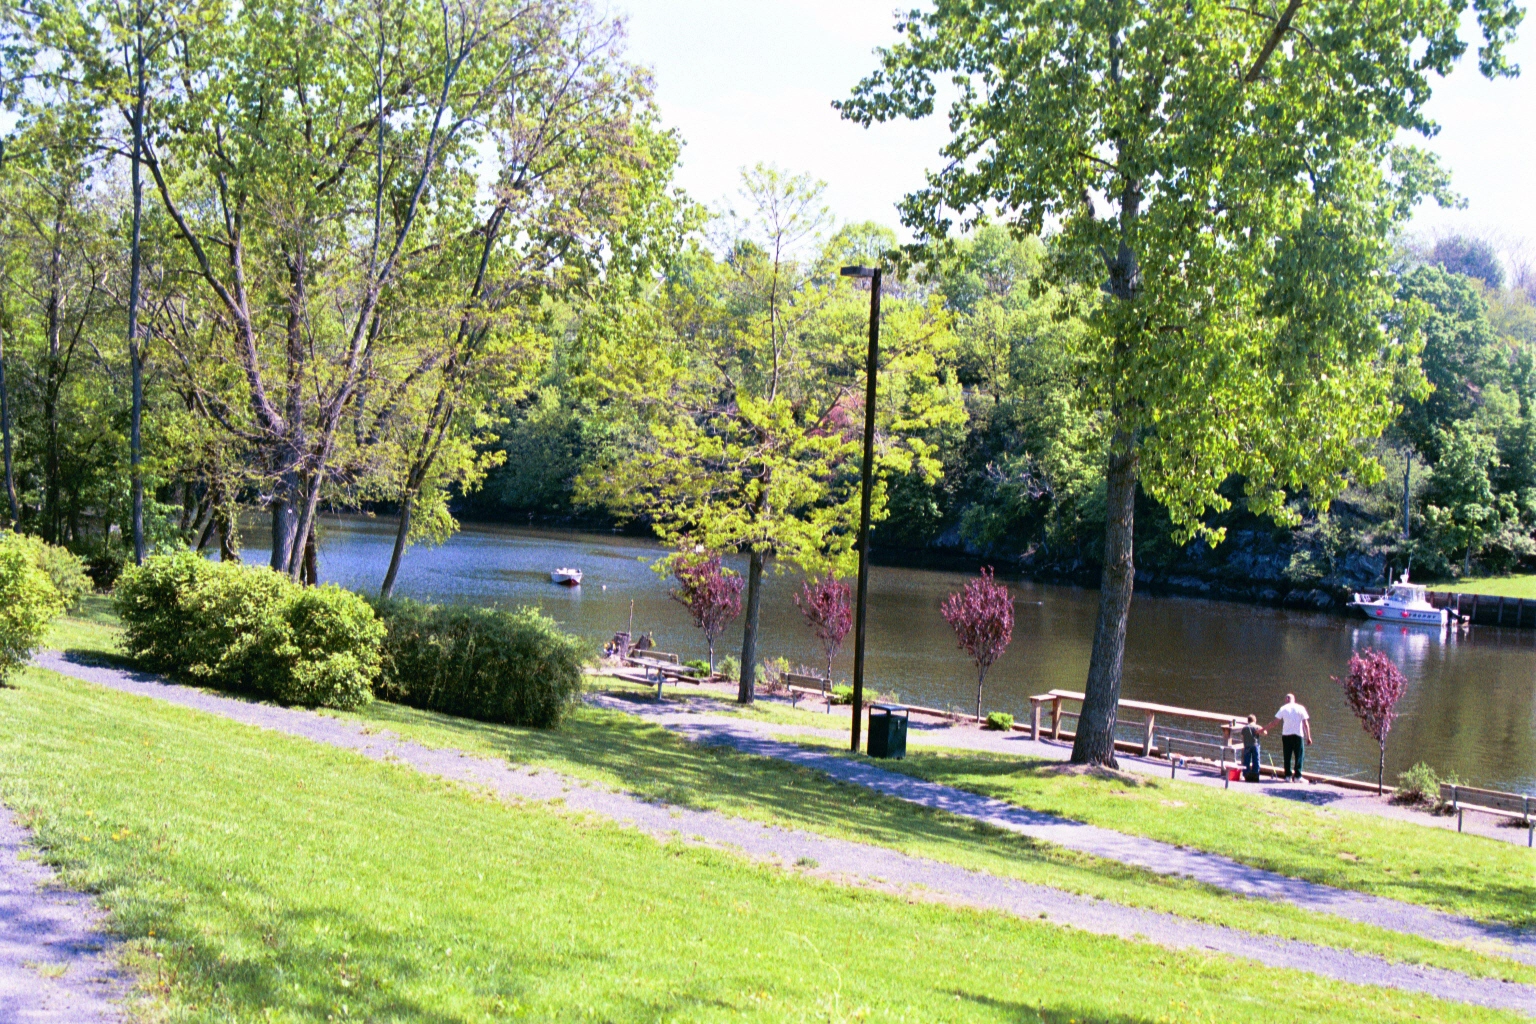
5	436
229	536
1381	771
1095	742
745	692
402	531
311	572
304	532
284	525
135	354
981	677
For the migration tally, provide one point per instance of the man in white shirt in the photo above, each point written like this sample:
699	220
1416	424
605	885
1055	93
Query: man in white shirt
1296	727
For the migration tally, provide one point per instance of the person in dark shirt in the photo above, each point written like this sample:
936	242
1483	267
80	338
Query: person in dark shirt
1251	734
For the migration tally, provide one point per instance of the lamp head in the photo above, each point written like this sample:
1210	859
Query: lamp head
858	272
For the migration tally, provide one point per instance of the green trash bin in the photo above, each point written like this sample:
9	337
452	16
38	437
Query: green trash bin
888	730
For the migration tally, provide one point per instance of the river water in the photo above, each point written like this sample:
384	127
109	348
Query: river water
1470	706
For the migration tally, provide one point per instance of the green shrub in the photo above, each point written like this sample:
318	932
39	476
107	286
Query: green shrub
235	613
842	693
104	567
1000	720
323	648
248	629
729	667
150	600
509	667
64	568
699	665
1417	785
28	602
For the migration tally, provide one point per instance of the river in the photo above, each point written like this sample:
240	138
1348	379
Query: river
1470	706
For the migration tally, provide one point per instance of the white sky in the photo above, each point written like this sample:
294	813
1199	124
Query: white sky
747	81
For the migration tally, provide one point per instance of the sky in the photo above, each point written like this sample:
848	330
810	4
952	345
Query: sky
746	81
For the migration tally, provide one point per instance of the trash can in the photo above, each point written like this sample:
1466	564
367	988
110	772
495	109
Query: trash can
887	730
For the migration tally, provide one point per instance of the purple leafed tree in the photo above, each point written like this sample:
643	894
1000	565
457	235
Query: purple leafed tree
710	593
982	617
828	609
1373	687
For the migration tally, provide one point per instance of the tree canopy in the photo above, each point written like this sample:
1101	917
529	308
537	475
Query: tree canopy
1234	178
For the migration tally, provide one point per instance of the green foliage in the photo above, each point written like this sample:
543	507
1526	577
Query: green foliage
28	601
1418	785
1460	356
841	693
250	630
63	567
150	601
729	667
1000	720
323	649
512	667
1461	509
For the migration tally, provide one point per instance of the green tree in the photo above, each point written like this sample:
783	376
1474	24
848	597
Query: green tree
1460	358
1461	509
750	389
1232	176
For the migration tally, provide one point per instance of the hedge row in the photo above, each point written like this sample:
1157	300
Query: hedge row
251	630
515	668
248	629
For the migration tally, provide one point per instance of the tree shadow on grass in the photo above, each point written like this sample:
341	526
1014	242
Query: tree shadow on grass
1027	1013
106	659
657	765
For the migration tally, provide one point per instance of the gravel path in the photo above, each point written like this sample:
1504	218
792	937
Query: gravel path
55	965
838	859
754	737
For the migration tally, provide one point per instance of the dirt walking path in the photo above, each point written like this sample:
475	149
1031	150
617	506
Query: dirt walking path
56	966
752	737
836	859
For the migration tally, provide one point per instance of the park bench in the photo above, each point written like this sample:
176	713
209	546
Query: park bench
804	686
1150	713
1491	801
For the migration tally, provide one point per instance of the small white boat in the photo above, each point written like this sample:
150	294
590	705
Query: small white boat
566	577
1404	603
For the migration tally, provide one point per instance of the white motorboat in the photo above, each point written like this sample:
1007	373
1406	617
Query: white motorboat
566	577
1404	603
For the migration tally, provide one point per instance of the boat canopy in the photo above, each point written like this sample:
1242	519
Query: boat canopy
1406	592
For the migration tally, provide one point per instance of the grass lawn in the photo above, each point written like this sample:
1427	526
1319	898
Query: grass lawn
259	877
621	751
1496	586
1465	874
91	625
625	752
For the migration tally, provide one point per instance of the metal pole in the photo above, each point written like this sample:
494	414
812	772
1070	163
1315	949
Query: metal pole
868	484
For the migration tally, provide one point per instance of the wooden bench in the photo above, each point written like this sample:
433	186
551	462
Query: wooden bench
798	684
1149	710
1491	801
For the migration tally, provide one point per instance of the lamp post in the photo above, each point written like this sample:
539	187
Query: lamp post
873	276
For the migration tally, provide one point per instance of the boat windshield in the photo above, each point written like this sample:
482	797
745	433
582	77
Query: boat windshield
1406	593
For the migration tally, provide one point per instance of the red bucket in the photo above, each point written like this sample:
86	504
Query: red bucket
1234	775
